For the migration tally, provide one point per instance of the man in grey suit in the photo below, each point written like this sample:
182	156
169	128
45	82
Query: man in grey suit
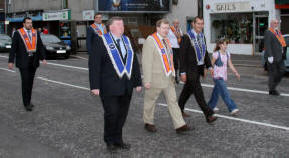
274	49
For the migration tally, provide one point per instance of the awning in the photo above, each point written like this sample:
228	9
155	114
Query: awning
282	4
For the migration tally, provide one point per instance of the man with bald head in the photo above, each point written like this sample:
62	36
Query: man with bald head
175	36
274	49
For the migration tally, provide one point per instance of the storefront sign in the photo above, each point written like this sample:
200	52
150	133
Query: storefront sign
233	7
18	17
57	15
88	15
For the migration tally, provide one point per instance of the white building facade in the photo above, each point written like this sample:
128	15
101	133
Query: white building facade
184	11
242	22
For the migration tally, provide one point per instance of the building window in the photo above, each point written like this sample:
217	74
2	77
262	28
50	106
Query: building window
236	27
64	4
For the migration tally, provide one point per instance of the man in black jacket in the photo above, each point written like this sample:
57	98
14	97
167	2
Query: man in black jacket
275	50
113	73
95	29
28	49
194	57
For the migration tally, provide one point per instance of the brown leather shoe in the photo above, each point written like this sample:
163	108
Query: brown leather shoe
211	119
150	128
182	129
185	114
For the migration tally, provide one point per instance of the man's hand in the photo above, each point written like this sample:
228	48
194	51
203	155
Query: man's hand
10	65
270	60
44	62
138	88
147	85
95	92
183	77
212	72
205	73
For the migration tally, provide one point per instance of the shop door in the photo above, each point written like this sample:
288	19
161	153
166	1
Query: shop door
261	25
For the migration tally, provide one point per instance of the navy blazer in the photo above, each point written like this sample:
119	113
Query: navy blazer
89	37
103	76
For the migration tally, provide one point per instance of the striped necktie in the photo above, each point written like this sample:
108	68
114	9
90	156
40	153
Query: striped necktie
29	34
167	51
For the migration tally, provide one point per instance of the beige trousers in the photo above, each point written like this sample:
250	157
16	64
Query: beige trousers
150	97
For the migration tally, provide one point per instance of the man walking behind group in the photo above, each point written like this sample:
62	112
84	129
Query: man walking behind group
274	54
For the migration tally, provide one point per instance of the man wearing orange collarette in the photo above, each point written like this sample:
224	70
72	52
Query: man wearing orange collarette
275	46
159	73
175	36
95	29
28	49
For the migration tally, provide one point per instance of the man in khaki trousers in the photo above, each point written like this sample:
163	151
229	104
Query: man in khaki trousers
159	73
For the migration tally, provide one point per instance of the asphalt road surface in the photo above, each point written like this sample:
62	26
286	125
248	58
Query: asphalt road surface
68	122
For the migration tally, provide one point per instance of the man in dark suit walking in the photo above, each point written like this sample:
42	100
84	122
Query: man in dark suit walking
274	49
193	59
28	49
113	73
95	29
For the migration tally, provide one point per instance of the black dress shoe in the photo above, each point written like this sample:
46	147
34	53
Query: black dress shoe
124	146
29	107
111	148
274	92
150	128
211	119
182	129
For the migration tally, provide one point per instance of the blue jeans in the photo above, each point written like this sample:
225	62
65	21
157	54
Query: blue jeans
221	89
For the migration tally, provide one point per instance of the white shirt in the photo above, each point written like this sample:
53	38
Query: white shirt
173	39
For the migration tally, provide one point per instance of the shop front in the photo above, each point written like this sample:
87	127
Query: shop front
283	6
59	24
242	22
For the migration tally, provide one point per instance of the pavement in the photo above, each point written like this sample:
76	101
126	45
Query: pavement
68	122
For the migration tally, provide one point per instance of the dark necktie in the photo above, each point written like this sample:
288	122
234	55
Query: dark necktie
118	42
123	53
29	35
199	41
167	51
164	41
277	32
118	45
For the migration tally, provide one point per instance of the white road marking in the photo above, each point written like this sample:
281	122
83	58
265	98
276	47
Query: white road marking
187	109
62	83
245	90
236	119
60	65
3	56
204	85
7	70
79	57
67	66
255	61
